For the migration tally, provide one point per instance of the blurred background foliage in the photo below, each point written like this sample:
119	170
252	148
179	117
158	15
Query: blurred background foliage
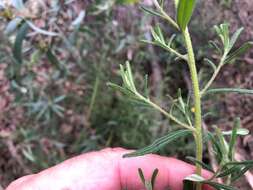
57	55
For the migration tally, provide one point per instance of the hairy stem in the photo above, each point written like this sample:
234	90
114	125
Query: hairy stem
197	101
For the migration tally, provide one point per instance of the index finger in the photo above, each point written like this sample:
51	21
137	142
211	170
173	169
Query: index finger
107	170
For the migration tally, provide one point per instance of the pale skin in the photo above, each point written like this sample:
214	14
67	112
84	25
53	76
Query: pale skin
107	170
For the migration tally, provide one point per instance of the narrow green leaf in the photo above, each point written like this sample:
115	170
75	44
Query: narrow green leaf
57	111
226	90
141	175
210	63
237	169
240	131
215	46
184	12
59	99
171	40
155	36
129	94
148	185
223	143
191	181
121	89
234	38
41	31
161	3
42	112
130	76
240	51
240	173
149	42
216	146
231	150
17	49
153	178
150	11
194	160
159	33
223	32
195	178
244	163
126	82
229	171
159	143
198	179
138	102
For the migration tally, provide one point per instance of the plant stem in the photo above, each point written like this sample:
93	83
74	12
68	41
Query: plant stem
214	75
174	51
93	98
197	101
165	15
174	119
169	49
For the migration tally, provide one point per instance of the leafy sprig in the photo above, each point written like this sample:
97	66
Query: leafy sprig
228	54
129	89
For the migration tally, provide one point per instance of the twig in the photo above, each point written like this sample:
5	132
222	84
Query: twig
93	97
216	72
165	16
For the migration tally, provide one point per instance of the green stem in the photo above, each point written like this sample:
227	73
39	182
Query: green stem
174	51
165	15
169	49
93	98
216	72
155	106
197	101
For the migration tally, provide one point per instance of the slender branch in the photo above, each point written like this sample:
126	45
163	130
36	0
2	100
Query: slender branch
167	48
174	52
93	97
197	102
155	106
165	15
216	72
